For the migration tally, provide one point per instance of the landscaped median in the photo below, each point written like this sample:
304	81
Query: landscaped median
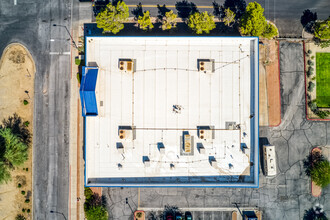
17	71
317	79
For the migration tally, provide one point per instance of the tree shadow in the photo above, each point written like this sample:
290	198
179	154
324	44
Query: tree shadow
316	213
185	8
237	6
216	9
100	6
137	11
308	20
162	11
16	125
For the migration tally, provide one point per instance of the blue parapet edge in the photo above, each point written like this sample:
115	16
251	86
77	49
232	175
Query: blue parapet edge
254	184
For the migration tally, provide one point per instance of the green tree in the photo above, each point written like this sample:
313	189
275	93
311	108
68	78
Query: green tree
322	29
15	150
112	17
94	209
169	21
270	31
253	21
229	18
145	21
201	22
321	173
96	213
4	173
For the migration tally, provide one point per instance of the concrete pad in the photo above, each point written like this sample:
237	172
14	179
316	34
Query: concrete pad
263	99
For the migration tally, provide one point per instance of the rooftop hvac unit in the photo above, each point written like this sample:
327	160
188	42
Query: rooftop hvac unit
126	65
206	134
206	66
126	134
187	143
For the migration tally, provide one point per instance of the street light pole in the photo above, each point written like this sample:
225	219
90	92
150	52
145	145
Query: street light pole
236	204
74	43
56	212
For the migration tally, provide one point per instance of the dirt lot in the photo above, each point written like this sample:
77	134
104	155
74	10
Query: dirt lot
17	71
270	101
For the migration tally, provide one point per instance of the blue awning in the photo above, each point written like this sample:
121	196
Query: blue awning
87	91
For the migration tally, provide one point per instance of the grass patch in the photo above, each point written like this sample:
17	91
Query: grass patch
323	80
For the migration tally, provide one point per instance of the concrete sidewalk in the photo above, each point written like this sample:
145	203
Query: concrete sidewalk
76	197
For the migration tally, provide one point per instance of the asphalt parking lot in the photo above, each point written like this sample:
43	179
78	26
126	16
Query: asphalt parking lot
285	196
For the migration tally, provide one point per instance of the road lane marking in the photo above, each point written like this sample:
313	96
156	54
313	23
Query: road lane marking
15	2
167	6
60	53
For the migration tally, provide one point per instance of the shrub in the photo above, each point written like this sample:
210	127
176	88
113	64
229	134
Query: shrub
19	185
78	78
26	169
77	61
312	106
26	123
23	210
27	200
309	62
321	173
23	193
28	211
314	78
311	86
309	73
312	57
25	102
20	217
23	168
322	114
309	51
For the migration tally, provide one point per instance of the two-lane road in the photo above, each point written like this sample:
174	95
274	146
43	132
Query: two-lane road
29	22
285	14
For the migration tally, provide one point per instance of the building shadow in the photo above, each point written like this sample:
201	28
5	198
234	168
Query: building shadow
185	8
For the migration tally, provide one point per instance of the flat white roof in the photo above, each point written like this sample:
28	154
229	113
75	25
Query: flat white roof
166	97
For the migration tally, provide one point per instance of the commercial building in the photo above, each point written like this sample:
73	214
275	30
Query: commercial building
171	111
